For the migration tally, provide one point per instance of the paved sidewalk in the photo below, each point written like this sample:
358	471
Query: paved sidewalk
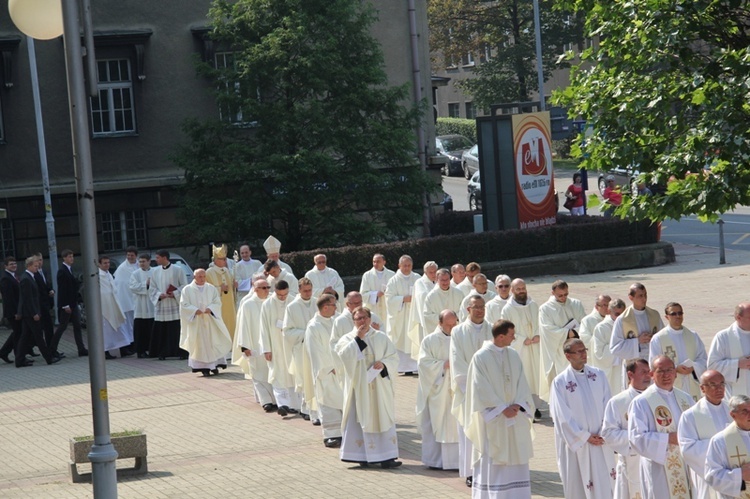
208	437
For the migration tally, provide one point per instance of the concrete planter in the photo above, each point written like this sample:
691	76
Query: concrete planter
127	447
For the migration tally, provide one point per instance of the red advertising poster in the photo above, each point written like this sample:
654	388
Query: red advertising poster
535	184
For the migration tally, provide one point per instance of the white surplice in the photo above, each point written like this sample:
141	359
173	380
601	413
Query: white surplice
204	336
697	426
553	316
399	312
577	403
143	307
615	433
374	282
125	297
601	356
435	421
724	356
526	319
117	332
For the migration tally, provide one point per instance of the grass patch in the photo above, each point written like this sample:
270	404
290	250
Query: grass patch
126	433
565	164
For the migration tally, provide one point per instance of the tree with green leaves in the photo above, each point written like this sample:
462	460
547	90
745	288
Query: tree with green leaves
313	144
504	30
665	91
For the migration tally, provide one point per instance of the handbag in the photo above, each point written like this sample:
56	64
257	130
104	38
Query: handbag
568	204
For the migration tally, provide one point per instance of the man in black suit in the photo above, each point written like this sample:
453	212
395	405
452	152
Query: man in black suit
31	317
9	291
67	304
46	303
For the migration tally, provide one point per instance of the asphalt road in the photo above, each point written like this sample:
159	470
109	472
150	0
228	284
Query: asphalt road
688	230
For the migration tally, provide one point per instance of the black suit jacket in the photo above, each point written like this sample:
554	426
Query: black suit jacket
28	301
67	288
45	302
9	289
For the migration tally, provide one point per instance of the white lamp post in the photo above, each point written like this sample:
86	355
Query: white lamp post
41	19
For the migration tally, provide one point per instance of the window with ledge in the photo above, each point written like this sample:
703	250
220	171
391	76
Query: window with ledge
121	229
471	113
113	112
7	242
454	111
229	109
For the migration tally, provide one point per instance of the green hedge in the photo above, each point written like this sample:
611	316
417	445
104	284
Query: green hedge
568	235
460	126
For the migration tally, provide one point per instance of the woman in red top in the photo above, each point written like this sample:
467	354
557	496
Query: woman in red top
612	197
575	194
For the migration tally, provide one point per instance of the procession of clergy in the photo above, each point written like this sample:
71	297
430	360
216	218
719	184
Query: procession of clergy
639	409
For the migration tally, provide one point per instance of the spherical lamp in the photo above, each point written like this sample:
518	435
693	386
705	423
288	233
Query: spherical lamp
39	19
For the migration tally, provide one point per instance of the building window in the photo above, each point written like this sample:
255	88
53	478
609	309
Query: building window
113	112
229	107
468	59
454	110
7	243
121	229
471	113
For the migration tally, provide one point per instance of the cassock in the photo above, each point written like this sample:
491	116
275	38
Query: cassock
204	336
493	309
369	423
272	341
247	336
165	337
143	308
399	287
438	426
463	313
218	276
652	415
588	323
244	270
466	339
373	282
601	355
416	331
577	402
727	451
329	395
615	433
697	425
325	278
553	316
116	331
502	446
684	347
124	295
526	319
727	347
438	300
298	314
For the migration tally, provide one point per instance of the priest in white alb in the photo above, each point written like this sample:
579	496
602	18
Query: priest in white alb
441	297
246	351
460	280
369	359
125	297
727	461
325	280
499	414
523	312
435	421
578	397
399	294
273	347
684	347
481	288
466	339
634	328
372	287
203	334
275	272
422	287
653	420
698	425
559	317
588	323
495	306
615	429
244	270
730	352
327	383
601	356
116	330
298	314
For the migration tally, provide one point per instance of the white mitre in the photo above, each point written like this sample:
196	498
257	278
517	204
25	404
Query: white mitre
272	245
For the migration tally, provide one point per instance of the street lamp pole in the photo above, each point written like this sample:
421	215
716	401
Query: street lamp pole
103	454
539	66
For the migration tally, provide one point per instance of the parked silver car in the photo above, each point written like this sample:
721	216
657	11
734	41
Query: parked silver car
470	161
452	147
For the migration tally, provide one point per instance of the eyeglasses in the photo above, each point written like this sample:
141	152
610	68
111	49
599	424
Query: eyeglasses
357	319
676	314
714	386
669	370
583	350
503	285
263	287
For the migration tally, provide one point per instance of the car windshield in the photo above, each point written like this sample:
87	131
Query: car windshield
456	143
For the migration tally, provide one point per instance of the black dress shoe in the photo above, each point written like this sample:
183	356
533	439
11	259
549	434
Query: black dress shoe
162	358
142	355
83	353
109	356
469	481
34	354
332	443
537	414
205	373
60	354
28	359
291	411
316	422
306	417
282	411
391	463
25	363
54	360
215	372
269	407
126	353
6	359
